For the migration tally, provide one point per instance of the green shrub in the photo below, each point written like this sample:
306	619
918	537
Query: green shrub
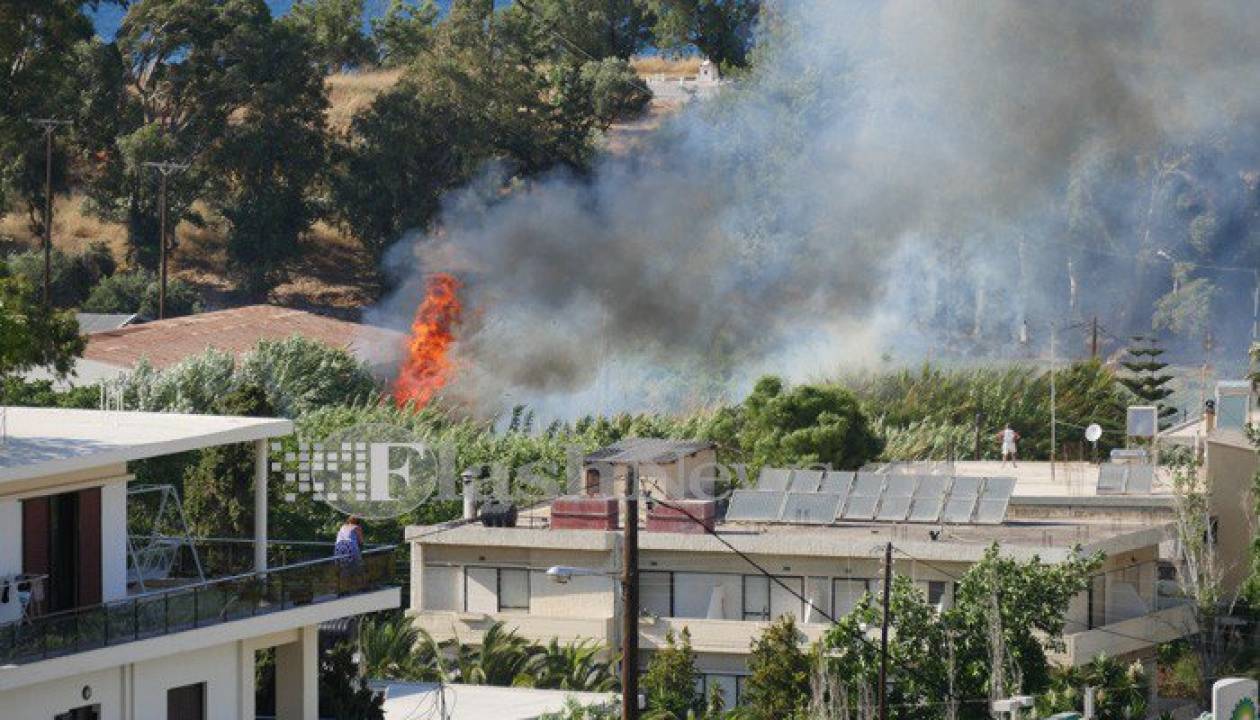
72	277
297	376
137	291
926	413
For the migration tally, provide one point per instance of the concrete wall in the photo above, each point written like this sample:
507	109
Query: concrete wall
137	691
1231	468
113	483
709	592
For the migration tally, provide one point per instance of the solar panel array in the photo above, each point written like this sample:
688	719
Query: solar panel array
822	497
1125	478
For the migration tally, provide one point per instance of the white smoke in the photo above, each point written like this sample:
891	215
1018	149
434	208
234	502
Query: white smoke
894	179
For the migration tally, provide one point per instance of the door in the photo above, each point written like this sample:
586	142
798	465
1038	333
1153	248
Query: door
61	539
186	703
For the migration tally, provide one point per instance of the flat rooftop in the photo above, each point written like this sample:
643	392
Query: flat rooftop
1050	539
1068	479
36	442
407	701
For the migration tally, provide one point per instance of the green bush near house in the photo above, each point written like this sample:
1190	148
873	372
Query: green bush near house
137	291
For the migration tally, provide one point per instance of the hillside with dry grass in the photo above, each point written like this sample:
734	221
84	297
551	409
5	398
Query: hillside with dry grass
339	279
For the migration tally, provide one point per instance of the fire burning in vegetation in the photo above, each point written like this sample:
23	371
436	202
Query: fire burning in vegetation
427	366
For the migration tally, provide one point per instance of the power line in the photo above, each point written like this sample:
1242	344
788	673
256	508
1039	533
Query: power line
792	591
958	578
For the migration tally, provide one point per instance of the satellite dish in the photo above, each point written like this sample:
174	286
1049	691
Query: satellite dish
1093	432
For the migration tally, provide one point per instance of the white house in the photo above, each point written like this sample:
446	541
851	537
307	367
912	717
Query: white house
90	630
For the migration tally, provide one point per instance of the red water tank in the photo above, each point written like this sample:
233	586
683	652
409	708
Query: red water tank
683	516
573	512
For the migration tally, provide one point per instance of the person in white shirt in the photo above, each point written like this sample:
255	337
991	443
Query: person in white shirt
1010	445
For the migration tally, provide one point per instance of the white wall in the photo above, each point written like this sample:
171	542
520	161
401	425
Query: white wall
114	540
138	692
10	537
217	667
49	699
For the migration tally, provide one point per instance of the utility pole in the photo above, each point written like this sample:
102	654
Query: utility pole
1255	307
164	170
1093	337
979	421
883	635
48	125
630	601
1053	415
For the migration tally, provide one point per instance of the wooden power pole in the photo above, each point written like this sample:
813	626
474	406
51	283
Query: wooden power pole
164	170
630	601
48	125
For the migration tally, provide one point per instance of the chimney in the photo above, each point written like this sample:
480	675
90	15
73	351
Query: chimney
1209	416
469	477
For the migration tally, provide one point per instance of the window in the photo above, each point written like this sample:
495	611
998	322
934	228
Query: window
513	590
846	593
765	599
756	597
730	686
494	590
186	703
656	593
936	594
706	595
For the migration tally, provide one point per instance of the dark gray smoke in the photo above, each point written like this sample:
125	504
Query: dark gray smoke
901	179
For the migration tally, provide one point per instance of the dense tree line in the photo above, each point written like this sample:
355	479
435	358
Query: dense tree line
240	97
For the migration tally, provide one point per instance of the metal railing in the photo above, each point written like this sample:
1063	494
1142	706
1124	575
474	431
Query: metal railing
188	607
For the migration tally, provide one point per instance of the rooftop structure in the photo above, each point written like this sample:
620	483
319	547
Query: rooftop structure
237	330
466	577
99	623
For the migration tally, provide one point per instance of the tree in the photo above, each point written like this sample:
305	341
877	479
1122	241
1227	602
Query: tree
805	424
1006	613
778	671
136	291
1146	379
335	28
487	91
218	490
670	679
343	692
721	29
577	666
388	647
1120	691
404	31
400	155
269	159
592	29
39	45
615	90
32	335
1187	309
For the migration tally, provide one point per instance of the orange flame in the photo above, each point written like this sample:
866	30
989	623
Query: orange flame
427	367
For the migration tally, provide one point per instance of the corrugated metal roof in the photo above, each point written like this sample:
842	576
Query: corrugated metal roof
650	450
100	322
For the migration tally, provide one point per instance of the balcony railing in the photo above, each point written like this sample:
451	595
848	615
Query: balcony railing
198	605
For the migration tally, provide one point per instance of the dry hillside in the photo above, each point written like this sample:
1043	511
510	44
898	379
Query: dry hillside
337	280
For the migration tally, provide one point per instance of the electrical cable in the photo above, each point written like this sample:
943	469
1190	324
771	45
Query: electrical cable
744	556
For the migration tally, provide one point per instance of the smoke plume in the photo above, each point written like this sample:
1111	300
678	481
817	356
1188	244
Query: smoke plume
894	179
